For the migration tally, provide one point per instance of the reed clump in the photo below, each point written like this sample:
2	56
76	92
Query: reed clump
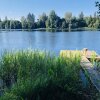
36	75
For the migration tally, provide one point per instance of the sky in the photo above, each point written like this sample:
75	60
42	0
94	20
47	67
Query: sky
16	8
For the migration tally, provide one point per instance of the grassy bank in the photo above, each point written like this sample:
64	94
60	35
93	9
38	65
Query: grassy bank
36	75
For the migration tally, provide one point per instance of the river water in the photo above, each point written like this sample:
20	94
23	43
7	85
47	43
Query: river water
50	41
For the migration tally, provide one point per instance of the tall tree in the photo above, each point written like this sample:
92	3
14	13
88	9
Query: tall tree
30	20
68	17
81	16
52	20
43	17
48	24
64	25
13	24
81	20
24	22
6	21
74	22
97	4
97	24
42	20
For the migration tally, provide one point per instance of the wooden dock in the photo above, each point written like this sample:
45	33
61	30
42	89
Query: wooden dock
86	65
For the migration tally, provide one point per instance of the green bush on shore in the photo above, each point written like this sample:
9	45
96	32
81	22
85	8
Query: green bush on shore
36	75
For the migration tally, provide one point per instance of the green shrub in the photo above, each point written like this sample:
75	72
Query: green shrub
36	75
9	96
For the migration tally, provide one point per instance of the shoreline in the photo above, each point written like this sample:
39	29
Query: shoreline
53	29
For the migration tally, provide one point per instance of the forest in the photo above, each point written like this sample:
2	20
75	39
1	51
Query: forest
52	21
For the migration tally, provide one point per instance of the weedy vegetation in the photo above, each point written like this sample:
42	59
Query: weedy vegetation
36	75
95	62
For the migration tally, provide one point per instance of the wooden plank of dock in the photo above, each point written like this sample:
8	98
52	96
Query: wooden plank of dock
94	75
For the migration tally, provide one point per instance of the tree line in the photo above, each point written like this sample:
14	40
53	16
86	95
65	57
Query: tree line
52	21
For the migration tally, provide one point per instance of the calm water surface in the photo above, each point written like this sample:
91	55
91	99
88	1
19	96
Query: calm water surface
51	41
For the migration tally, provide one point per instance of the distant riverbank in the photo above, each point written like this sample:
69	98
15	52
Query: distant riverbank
53	29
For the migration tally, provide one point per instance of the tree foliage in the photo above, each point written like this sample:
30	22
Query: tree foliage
97	4
53	21
30	20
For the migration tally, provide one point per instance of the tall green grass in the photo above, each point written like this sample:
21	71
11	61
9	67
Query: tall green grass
95	62
36	75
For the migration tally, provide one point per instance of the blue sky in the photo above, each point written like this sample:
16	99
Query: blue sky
17	8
